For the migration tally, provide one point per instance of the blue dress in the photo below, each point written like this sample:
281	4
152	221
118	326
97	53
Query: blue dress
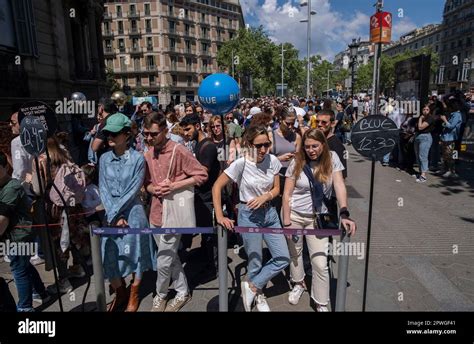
120	180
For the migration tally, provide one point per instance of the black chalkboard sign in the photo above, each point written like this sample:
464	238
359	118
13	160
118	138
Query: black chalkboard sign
33	135
43	112
374	136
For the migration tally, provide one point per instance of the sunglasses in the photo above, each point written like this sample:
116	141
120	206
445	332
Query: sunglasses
216	126
322	122
228	118
111	134
151	133
290	124
260	145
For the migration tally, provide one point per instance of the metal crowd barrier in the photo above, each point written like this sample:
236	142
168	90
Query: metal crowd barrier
96	232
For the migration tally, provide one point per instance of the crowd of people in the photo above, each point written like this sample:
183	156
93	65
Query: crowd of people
270	163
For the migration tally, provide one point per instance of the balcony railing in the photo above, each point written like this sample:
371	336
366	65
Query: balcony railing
136	50
122	49
108	33
123	68
109	51
188	51
151	68
148	30
205	36
134	14
149	48
119	14
134	31
121	31
107	16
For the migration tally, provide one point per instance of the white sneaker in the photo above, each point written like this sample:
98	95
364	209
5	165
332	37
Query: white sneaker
447	174
36	260
295	295
6	259
65	287
322	308
159	304
247	295
261	303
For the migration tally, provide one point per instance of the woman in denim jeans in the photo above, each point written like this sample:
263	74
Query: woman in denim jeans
257	176
423	141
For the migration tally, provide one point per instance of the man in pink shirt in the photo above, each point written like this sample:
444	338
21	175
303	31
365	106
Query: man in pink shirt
186	172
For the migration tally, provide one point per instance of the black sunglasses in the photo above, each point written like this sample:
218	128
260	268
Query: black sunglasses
111	134
260	145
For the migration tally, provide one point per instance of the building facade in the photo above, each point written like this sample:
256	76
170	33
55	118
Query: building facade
428	36
166	47
50	49
457	51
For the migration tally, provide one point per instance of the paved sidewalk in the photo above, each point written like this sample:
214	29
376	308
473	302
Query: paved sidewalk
421	253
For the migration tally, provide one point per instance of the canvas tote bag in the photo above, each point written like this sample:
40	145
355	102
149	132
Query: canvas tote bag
178	206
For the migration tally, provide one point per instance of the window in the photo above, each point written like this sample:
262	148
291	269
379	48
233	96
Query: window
170	10
138	81
121	44
204	47
186	13
188	45
148	25
174	79
124	81
152	80
150	61
147	9
120	27
172	43
189	80
108	43
149	42
136	64
231	35
186	29
172	26
203	17
134	25
123	66
119	10
133	9
110	63
135	43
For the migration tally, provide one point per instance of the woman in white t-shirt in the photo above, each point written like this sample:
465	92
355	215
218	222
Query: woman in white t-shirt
257	176
297	212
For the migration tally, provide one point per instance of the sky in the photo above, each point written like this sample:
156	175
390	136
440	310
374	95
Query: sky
336	21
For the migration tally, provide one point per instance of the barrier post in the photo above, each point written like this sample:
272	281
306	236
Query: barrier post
222	268
98	271
342	269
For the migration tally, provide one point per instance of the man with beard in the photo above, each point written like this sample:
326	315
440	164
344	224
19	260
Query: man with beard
326	123
205	152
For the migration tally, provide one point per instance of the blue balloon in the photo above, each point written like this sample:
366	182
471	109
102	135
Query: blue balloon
219	93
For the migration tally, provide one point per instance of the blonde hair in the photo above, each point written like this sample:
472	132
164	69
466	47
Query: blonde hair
324	169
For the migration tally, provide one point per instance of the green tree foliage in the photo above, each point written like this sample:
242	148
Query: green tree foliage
256	55
112	84
387	69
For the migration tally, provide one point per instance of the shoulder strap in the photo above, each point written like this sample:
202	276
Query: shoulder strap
243	169
171	162
274	145
317	191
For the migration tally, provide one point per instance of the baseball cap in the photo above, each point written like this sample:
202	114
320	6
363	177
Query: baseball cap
117	122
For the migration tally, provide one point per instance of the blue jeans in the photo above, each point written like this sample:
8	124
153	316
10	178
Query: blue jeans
27	279
253	242
422	149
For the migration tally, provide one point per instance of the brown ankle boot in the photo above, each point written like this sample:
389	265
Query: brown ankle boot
121	299
134	300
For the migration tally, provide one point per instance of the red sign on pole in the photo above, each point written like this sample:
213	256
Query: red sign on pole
381	27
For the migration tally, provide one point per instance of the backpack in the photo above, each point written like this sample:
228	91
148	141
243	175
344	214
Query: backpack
70	181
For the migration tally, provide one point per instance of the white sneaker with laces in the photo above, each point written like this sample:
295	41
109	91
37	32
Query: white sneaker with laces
36	260
247	295
322	308
6	259
159	304
261	303
295	294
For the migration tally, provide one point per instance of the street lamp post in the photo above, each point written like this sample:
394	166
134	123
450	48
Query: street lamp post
353	47
308	63
282	58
